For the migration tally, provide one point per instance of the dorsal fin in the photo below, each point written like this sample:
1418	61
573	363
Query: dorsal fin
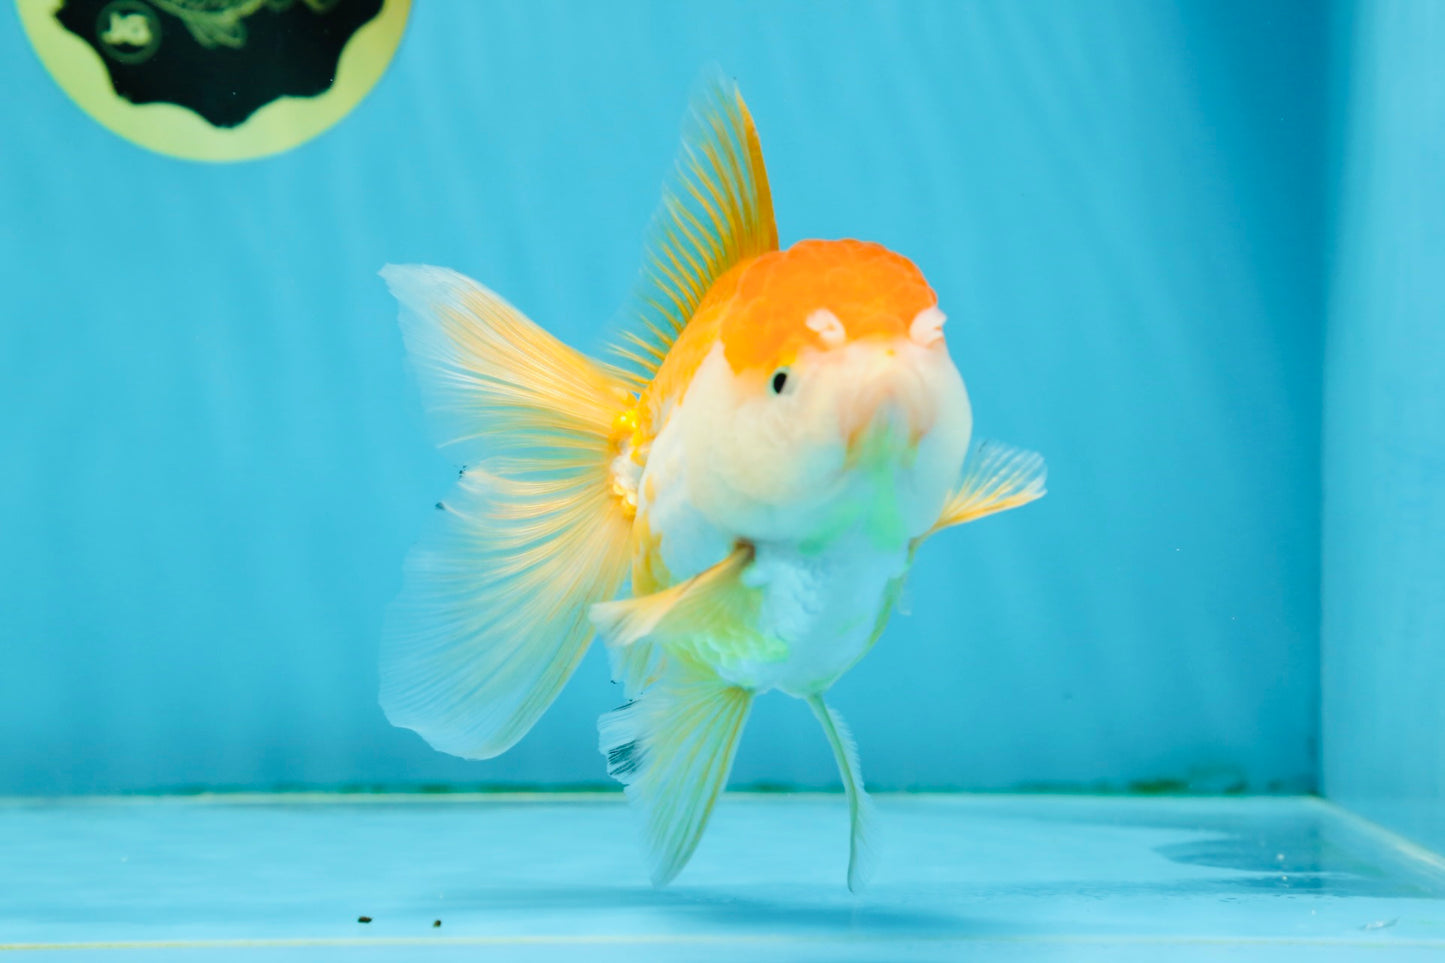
716	211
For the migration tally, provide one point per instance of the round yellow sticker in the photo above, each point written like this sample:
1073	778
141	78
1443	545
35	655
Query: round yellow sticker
216	80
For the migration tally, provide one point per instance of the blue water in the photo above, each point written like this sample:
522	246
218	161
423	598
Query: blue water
1146	221
1384	494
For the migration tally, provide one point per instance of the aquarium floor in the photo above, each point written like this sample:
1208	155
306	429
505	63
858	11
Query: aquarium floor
553	878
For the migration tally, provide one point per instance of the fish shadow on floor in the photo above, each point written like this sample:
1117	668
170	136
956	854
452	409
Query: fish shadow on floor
714	906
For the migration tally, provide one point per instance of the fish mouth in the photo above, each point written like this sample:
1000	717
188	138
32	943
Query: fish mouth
889	412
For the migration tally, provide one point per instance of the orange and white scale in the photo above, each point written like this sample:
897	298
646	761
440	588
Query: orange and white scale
732	510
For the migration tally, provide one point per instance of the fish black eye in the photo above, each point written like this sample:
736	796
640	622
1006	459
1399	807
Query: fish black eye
780	379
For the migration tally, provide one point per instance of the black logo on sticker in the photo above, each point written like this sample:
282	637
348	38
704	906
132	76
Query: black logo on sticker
223	59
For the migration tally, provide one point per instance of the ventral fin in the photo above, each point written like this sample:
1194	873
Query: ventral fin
862	847
995	479
717	211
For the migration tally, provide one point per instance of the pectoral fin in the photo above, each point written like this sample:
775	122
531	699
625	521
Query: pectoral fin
995	479
701	600
709	618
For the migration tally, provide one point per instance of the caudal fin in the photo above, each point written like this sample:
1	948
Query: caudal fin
493	616
673	748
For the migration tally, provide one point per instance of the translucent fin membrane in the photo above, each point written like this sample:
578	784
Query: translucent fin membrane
995	479
673	749
493	616
717	211
704	618
862	843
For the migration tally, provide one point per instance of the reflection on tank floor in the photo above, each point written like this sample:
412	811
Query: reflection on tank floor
1271	876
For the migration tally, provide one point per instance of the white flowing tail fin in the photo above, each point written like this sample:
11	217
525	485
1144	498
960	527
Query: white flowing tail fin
673	748
493	617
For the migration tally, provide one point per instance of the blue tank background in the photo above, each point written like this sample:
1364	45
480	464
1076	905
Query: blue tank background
215	459
1384	493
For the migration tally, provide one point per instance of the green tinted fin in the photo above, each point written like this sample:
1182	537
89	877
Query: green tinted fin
710	618
862	844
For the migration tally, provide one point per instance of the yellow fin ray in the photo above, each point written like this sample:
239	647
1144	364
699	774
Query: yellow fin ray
716	212
672	748
492	617
689	605
995	479
708	619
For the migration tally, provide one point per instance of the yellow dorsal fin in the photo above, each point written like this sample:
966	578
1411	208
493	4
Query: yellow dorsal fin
716	211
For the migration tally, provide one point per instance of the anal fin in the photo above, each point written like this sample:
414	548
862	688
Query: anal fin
673	748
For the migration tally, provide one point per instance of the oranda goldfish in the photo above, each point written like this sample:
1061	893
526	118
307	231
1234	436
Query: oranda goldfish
732	506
